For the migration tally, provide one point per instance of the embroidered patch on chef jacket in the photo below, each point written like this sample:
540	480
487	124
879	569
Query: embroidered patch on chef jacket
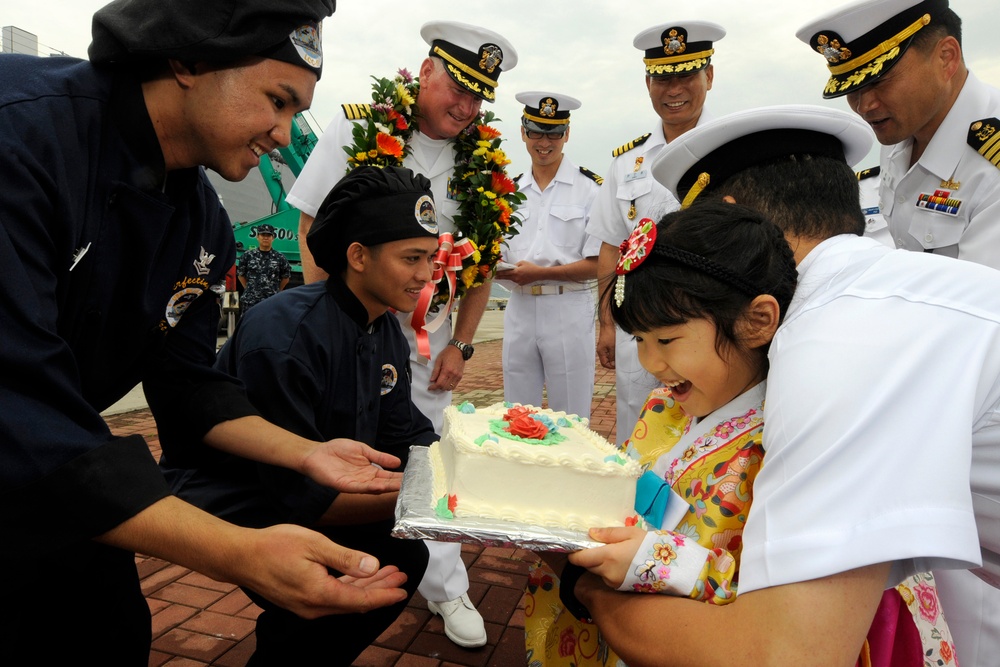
940	201
389	378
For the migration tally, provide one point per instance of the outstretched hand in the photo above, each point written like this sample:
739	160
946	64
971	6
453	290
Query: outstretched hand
347	465
288	565
612	561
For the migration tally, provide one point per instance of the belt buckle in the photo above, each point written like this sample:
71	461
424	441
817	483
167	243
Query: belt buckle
536	290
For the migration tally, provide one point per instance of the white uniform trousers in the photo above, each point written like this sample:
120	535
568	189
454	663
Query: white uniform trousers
632	385
550	340
972	609
431	403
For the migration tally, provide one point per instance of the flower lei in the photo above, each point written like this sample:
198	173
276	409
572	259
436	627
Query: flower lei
487	197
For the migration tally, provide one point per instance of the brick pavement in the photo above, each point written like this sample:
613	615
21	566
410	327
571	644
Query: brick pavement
198	621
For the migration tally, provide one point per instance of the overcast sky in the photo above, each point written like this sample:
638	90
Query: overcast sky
579	47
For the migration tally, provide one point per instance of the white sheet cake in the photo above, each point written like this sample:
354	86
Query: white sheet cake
560	474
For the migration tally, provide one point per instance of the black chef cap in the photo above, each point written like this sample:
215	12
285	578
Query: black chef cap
215	31
371	205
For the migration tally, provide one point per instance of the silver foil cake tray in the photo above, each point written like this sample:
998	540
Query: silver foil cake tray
417	520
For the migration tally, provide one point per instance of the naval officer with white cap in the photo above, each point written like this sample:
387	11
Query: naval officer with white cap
679	73
900	65
549	320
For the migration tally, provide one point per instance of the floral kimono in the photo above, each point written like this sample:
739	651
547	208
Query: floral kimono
709	467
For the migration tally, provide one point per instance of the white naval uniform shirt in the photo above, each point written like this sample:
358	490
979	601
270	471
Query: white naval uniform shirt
883	402
629	180
876	226
553	230
953	169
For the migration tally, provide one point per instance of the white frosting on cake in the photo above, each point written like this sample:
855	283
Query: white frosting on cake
578	483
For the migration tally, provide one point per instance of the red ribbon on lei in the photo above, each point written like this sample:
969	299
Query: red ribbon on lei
447	264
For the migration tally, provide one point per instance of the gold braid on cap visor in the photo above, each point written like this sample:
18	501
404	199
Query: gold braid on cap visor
546	121
678	64
884	47
876	59
465	68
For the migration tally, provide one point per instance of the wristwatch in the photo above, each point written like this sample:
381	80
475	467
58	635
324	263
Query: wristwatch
466	349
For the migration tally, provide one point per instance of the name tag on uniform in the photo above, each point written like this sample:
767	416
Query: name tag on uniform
874	210
636	175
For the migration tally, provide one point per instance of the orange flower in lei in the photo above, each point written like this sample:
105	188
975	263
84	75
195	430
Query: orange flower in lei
487	197
502	185
389	145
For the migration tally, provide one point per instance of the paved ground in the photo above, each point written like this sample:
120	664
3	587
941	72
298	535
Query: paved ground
198	621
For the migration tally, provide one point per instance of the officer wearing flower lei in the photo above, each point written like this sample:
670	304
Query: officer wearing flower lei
679	72
549	321
460	72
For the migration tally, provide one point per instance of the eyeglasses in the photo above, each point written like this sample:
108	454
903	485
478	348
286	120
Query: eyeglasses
554	136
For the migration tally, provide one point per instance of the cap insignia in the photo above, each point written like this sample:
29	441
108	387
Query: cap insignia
548	108
673	43
832	50
492	56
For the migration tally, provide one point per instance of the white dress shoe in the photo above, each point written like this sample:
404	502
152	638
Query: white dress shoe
462	623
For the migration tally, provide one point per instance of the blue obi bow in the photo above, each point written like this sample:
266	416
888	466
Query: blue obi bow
651	497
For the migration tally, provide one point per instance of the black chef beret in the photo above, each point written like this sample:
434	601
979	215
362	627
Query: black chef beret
215	31
371	205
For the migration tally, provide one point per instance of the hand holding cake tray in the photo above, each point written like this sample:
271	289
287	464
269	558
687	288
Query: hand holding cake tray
513	475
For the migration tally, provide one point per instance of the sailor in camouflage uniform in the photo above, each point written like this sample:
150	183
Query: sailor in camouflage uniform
263	271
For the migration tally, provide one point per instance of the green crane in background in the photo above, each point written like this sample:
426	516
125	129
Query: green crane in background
285	219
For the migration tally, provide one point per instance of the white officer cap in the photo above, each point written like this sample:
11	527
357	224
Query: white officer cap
704	157
863	40
680	47
546	111
473	56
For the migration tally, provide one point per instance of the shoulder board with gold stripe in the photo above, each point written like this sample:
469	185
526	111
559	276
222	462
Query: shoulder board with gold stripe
591	175
624	148
985	139
869	173
517	179
356	111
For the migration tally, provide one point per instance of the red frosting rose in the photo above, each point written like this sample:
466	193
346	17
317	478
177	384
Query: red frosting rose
519	411
526	427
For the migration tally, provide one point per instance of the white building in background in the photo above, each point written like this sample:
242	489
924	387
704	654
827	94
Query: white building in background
16	40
